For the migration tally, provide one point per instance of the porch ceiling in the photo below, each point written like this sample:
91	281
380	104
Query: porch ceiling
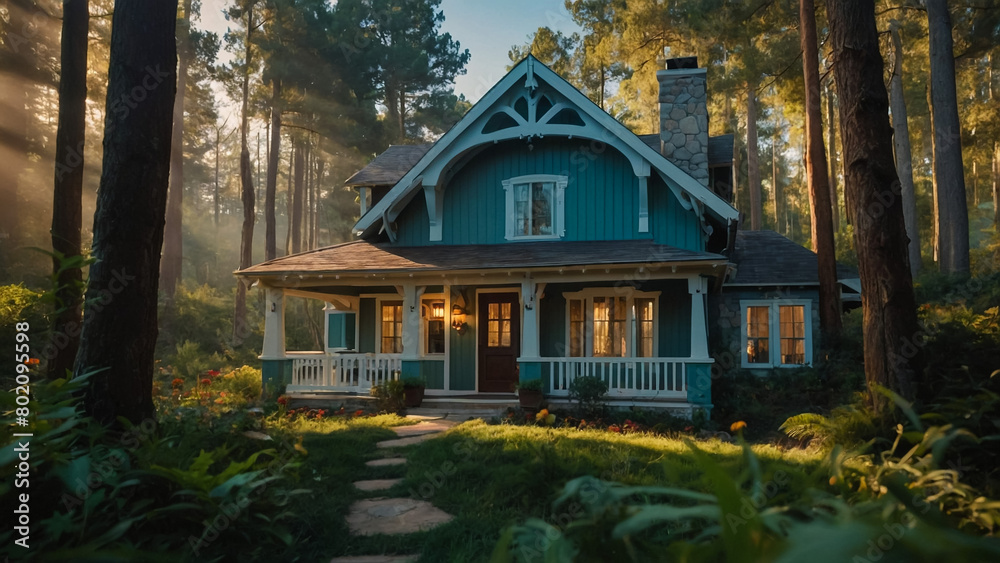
365	258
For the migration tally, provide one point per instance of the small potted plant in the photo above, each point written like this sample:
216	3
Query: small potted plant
529	393
413	391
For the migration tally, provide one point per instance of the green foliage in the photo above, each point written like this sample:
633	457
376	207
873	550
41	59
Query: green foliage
530	385
143	494
749	518
19	304
389	396
848	425
414	382
589	392
204	315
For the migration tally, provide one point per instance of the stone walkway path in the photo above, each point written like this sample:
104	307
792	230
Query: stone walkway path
397	515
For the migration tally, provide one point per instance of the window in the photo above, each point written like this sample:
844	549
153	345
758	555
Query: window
392	327
535	207
498	325
776	333
604	323
433	310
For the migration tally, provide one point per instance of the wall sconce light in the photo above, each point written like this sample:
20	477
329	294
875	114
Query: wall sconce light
458	319
437	310
274	307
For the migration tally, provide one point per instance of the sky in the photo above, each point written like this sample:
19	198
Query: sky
487	28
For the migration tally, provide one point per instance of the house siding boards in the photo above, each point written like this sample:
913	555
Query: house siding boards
601	198
462	352
366	326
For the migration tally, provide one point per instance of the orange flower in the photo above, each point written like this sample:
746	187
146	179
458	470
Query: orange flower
282	400
359	412
177	382
219	401
206	381
614	428
222	393
737	426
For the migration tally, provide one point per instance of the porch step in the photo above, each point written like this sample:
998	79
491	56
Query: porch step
376	484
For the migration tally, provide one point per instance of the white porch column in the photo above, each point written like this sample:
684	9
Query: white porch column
698	288
411	321
529	330
274	324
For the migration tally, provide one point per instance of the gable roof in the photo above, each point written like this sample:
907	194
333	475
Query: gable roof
769	258
530	70
390	166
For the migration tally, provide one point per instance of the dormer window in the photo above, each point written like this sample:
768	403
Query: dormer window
535	207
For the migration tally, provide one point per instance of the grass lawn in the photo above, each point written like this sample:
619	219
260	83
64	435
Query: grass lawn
492	476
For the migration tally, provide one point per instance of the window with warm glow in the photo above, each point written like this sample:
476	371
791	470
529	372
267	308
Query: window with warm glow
776	333
392	327
603	324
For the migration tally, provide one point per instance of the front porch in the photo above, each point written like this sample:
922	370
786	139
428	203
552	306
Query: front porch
472	336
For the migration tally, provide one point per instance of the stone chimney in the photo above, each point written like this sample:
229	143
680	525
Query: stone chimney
684	116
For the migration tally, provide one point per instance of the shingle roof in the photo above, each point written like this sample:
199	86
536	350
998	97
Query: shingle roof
720	147
768	258
390	166
367	257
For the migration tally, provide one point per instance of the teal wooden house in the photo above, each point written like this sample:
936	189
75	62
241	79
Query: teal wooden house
540	238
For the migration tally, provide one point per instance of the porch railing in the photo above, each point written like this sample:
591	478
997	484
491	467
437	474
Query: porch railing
342	372
626	377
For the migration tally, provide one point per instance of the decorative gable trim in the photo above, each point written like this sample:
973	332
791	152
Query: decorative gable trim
503	99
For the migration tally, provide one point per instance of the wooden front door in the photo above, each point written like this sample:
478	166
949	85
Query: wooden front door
499	341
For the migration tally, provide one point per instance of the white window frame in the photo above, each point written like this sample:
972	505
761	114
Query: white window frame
774	331
588	295
379	301
425	319
558	211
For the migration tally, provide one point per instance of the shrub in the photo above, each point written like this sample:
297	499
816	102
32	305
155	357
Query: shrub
389	396
531	385
241	385
414	382
589	391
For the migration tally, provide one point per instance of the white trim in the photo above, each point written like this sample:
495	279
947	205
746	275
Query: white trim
630	294
558	205
455	142
424	354
378	320
774	331
643	204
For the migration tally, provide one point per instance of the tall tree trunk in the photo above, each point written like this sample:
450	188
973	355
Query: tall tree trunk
818	177
935	199
290	196
776	195
831	141
247	193
996	186
273	154
319	202
307	197
901	143
948	170
173	244
890	317
67	215
392	117
119	328
753	158
296	220
218	143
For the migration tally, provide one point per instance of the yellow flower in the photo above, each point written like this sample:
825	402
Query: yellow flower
738	425
299	447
